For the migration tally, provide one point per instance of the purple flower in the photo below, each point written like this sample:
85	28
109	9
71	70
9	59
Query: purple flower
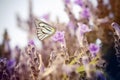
83	28
67	1
93	48
79	2
100	75
85	13
11	63
59	36
46	16
31	42
71	25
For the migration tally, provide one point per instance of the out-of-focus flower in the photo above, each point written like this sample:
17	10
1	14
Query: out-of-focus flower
71	25
85	13
79	2
31	42
46	16
11	63
3	61
67	1
93	48
59	36
100	75
69	68
116	27
83	28
80	33
31	47
85	60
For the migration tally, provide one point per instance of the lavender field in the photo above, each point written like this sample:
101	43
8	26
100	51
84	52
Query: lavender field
76	40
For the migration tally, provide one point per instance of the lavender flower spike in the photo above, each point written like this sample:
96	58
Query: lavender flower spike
59	36
67	1
11	63
46	16
79	2
116	27
100	75
31	42
83	28
94	49
85	13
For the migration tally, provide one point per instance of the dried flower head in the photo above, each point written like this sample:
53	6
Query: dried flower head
85	60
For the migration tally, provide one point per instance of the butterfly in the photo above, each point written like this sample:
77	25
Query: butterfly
44	30
117	40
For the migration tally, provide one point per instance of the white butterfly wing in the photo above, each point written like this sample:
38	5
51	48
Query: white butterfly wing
44	30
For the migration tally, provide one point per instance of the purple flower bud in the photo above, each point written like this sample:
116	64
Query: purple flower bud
93	48
46	16
59	36
67	1
71	25
100	75
85	13
11	63
83	28
31	42
79	2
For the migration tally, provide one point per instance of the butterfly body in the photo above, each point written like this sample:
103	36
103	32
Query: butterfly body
44	30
